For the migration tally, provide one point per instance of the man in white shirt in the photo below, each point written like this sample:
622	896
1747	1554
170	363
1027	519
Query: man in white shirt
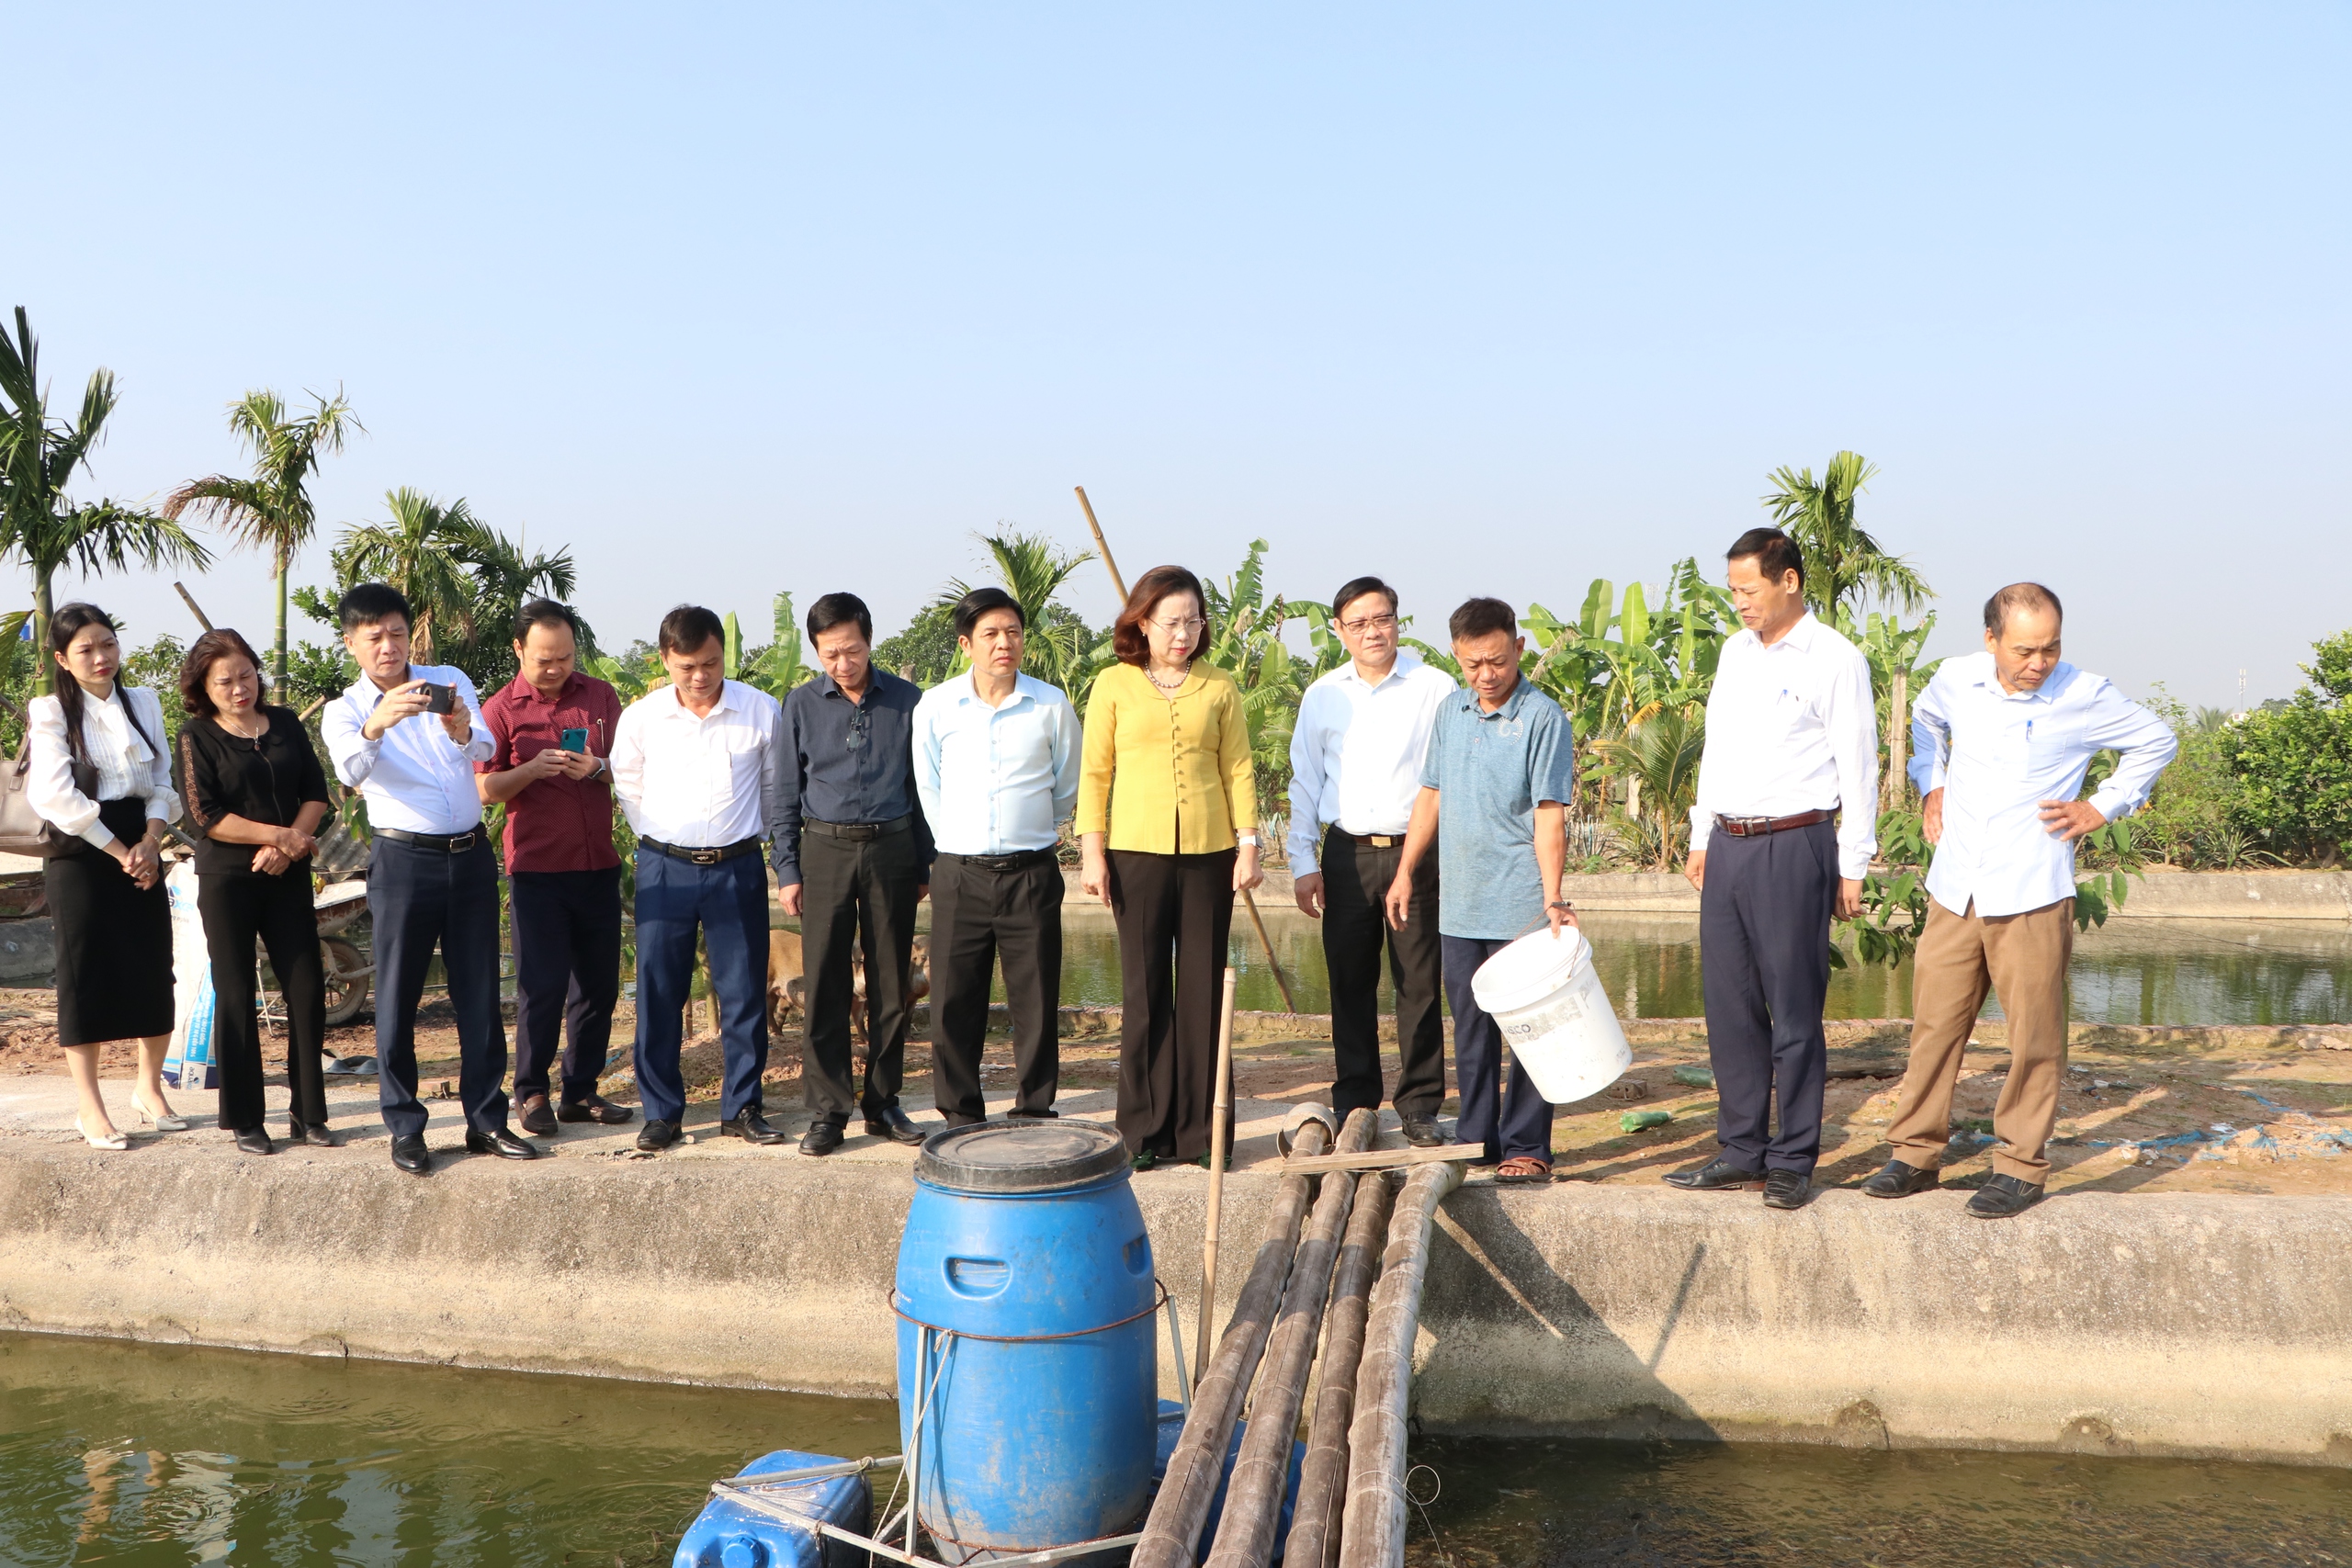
696	767
1356	751
997	757
1781	836
407	736
2003	740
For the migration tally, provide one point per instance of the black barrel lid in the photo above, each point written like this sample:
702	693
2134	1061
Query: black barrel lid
1021	1156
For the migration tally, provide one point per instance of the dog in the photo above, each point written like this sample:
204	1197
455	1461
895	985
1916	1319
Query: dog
788	982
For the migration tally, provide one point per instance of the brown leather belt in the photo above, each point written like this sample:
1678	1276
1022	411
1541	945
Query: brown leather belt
1756	827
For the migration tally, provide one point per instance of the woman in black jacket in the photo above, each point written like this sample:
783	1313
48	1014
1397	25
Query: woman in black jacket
255	788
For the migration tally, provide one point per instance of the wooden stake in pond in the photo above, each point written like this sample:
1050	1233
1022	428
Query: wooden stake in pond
1103	545
190	600
1220	1118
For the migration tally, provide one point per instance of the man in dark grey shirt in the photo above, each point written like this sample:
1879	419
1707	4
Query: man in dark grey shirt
853	859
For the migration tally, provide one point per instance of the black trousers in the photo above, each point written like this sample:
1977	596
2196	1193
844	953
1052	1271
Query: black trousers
279	912
1764	954
1175	915
1356	874
419	899
856	892
977	916
567	969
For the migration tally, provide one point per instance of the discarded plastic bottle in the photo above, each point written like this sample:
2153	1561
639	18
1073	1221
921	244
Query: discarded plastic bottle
1695	1076
1643	1121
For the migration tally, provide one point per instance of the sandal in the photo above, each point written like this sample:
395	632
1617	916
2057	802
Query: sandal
1522	1170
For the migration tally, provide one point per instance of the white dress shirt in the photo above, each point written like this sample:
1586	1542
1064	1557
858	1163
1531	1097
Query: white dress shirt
1792	728
126	765
1356	752
996	781
415	779
700	782
1998	755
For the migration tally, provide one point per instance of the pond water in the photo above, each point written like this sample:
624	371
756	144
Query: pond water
158	1456
2126	972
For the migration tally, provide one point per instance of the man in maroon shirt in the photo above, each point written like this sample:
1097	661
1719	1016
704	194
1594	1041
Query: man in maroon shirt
554	728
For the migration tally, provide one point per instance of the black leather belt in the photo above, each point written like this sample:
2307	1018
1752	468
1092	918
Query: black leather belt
860	832
1020	862
447	844
1377	840
1756	827
695	855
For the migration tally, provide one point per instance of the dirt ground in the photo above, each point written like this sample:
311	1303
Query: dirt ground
2174	1115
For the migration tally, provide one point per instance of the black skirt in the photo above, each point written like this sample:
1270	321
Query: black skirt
114	942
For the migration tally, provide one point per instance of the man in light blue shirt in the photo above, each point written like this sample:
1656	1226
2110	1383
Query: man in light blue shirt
407	736
1495	785
996	758
2002	741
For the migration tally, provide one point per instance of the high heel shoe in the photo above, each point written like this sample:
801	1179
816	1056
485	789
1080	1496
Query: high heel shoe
163	1121
111	1141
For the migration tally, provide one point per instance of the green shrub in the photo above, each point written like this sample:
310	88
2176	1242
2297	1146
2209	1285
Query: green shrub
2294	764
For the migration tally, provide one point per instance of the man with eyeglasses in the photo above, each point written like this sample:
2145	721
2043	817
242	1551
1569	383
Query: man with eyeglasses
1356	751
852	860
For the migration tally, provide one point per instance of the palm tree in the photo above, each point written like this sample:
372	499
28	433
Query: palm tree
38	456
1839	557
271	510
423	551
1659	755
1033	568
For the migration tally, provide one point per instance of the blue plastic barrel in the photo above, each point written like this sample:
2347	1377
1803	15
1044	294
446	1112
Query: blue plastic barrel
733	1533
1027	1340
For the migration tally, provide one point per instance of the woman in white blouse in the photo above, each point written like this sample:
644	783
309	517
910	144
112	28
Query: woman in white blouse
101	771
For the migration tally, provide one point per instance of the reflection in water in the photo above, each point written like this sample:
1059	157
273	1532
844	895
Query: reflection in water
1567	1505
169	1456
2126	972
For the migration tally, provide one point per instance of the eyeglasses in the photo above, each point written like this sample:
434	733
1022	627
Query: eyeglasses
1363	624
860	723
1191	623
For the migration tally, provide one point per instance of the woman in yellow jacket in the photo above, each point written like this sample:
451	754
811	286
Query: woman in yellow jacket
1167	827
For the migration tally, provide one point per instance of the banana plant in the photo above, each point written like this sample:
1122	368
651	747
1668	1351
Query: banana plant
1246	642
777	668
1897	677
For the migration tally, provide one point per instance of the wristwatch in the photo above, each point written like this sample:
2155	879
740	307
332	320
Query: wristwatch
1249	838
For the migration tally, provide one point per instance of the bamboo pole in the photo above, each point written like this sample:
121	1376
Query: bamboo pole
1194	1471
1372	1525
190	600
1103	545
1290	1003
1323	1481
1220	1118
1898	732
1253	1494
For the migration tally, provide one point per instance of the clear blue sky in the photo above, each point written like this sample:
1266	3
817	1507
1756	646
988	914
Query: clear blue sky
1488	299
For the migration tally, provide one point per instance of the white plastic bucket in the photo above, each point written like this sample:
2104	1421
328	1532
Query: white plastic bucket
1543	993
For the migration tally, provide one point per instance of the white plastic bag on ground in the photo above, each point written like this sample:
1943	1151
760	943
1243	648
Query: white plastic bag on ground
191	1062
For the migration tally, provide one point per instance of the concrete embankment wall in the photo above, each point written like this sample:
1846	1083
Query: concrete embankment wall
2154	1324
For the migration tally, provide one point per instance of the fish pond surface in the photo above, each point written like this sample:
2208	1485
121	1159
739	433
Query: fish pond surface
145	1455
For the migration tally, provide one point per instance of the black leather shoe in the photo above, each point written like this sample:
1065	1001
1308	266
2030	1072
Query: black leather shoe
1422	1133
253	1141
892	1124
821	1138
1896	1179
1716	1176
538	1117
752	1127
315	1137
657	1135
503	1143
411	1155
2002	1196
595	1108
1787	1188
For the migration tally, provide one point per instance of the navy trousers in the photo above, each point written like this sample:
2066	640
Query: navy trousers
1764	954
729	904
567	969
1500	1109
417	899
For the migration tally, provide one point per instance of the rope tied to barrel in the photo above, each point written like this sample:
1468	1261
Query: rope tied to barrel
1158	1302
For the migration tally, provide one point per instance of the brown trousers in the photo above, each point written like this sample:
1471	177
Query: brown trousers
2022	960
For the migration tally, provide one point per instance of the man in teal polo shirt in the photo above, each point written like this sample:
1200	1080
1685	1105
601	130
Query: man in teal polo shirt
1500	767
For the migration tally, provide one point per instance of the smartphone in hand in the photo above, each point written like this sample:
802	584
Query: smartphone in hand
575	741
440	699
